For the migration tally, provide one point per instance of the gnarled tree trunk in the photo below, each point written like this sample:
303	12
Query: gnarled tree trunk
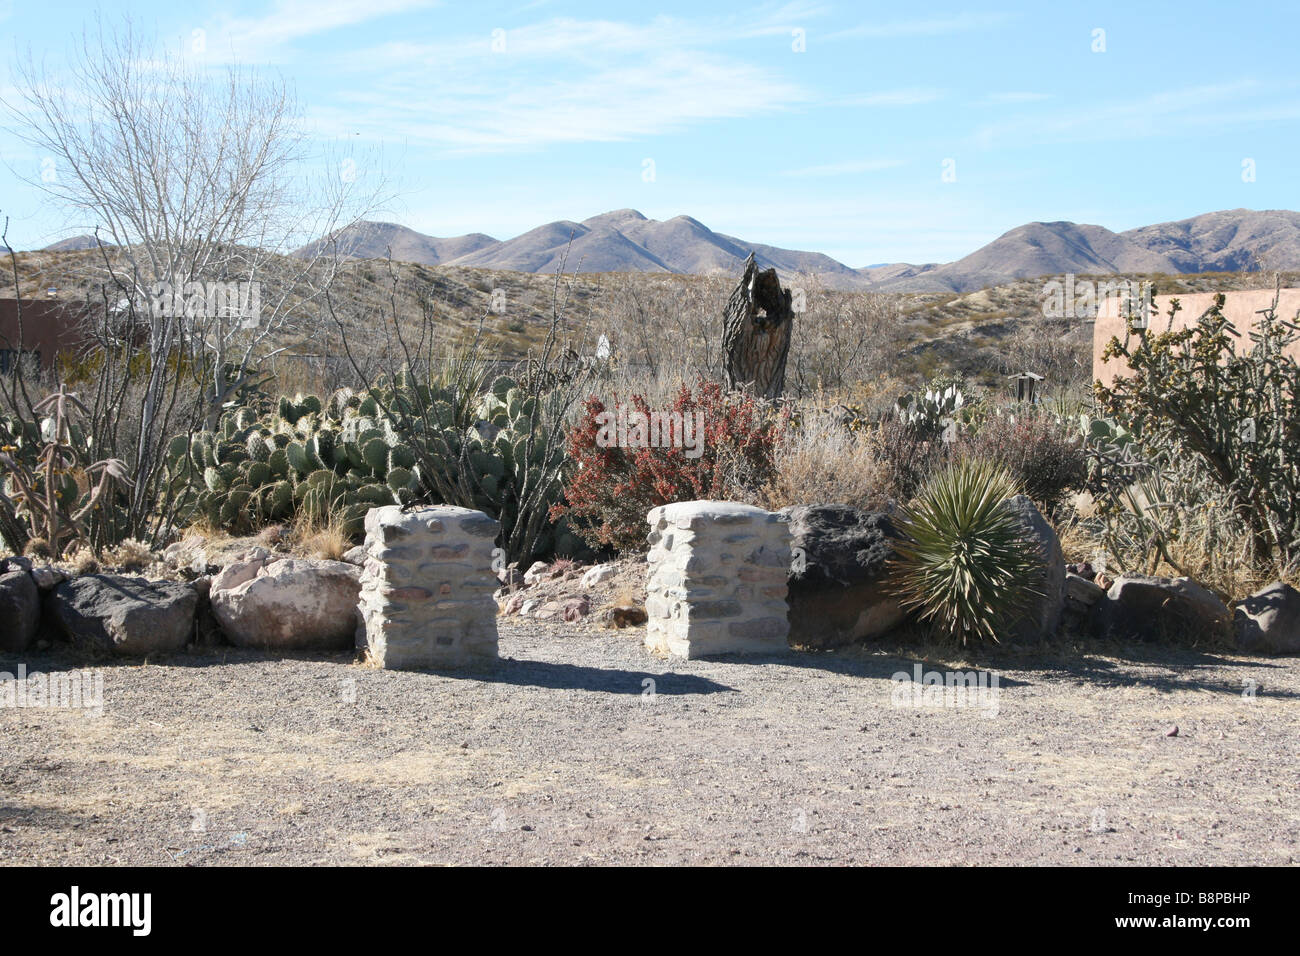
756	332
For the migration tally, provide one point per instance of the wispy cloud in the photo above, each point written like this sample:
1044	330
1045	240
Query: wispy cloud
559	81
924	26
849	168
656	95
771	22
1157	114
264	36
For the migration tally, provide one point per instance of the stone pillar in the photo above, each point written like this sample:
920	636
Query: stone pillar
426	587
717	579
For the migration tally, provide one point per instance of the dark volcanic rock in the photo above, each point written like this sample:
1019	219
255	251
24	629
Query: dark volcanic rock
837	592
20	610
126	615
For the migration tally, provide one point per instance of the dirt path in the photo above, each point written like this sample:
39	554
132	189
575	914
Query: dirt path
562	754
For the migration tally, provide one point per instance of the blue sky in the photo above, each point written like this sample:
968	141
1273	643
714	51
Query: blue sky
838	148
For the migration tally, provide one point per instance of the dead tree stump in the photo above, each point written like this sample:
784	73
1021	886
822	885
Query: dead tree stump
756	332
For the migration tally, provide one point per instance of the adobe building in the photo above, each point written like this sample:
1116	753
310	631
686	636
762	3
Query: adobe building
1240	308
50	327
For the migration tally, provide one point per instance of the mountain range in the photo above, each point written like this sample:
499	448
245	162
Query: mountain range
618	241
626	241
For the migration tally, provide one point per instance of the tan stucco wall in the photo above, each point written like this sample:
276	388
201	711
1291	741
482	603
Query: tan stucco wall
1240	308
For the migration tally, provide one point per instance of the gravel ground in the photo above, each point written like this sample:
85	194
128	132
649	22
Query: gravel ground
580	747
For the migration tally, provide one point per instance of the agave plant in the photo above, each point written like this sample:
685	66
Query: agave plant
963	562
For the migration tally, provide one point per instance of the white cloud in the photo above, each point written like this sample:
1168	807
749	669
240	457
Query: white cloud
465	113
560	81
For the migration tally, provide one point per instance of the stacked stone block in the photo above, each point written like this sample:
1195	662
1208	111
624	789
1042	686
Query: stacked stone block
717	579
426	587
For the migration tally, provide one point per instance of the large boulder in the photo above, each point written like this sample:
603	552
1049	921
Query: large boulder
126	615
290	604
1139	607
1269	620
1043	615
20	611
837	589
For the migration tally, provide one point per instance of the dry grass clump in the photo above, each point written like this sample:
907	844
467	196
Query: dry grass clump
823	462
83	561
315	538
38	548
1223	566
131	555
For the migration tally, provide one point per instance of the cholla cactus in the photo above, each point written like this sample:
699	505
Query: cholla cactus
47	480
1196	397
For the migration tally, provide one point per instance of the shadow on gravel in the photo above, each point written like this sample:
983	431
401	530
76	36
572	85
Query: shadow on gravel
41	817
1181	670
608	680
507	670
62	658
853	662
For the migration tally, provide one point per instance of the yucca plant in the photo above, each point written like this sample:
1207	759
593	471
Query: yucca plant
963	563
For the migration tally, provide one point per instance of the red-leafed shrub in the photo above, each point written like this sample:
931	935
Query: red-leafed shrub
614	483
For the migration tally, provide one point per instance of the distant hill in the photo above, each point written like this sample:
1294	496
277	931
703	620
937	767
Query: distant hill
374	240
626	241
75	244
1036	249
1228	241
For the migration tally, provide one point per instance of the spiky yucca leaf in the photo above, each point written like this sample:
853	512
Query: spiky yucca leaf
964	563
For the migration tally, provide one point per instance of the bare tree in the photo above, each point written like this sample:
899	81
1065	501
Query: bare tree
198	184
843	338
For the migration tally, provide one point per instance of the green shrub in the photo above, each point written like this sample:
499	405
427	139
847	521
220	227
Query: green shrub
1044	455
907	456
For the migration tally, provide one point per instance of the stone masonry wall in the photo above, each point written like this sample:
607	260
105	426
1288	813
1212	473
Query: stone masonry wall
426	587
717	579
